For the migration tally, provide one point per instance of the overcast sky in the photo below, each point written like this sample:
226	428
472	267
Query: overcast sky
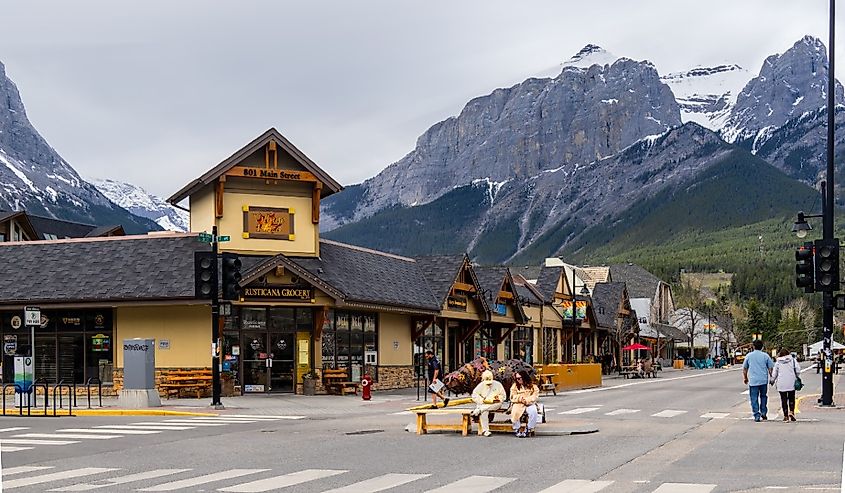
157	92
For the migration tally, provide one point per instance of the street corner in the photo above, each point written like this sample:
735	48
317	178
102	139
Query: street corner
809	405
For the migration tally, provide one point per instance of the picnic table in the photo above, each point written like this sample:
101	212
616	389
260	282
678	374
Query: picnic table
547	382
176	382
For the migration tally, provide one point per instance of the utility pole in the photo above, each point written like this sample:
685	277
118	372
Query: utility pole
215	333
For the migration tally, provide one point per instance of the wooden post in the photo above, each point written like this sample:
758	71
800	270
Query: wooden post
218	197
315	202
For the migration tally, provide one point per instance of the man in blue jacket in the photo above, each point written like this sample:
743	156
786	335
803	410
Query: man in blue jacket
756	371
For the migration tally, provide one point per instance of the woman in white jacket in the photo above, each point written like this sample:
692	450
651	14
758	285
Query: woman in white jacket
783	378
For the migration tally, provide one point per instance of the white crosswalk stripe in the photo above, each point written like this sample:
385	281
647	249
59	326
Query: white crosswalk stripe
380	483
715	415
577	486
31	441
54	476
474	484
106	430
62	436
283	481
13	449
622	411
262	416
192	423
10	471
228	421
684	488
16	428
144	427
204	479
580	410
131	478
668	413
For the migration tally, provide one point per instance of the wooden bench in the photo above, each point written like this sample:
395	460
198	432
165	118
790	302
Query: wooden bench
176	382
423	425
337	381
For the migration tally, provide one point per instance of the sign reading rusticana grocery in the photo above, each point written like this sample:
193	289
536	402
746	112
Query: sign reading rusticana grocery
284	293
457	302
270	223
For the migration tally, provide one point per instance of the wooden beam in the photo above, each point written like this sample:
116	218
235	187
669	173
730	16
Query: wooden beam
322	313
506	295
471	332
504	336
417	332
271	174
315	203
218	198
462	286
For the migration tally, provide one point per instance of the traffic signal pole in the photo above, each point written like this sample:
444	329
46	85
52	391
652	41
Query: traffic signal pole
827	315
215	334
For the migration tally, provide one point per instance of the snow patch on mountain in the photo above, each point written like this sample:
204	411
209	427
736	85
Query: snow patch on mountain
591	55
137	201
707	95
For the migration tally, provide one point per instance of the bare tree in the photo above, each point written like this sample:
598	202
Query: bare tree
690	300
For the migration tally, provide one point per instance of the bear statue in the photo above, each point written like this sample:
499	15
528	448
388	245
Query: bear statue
464	379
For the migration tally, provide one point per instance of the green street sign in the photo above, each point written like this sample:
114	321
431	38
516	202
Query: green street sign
204	237
223	238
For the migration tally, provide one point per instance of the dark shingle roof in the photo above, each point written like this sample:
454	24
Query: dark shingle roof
58	227
366	276
123	268
640	282
606	298
440	272
547	281
110	230
491	278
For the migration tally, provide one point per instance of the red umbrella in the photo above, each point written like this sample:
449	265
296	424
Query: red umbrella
634	347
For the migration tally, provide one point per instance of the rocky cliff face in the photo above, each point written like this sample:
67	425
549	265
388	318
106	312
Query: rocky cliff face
584	114
34	177
707	95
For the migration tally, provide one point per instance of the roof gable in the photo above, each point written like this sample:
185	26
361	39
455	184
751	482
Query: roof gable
640	282
330	186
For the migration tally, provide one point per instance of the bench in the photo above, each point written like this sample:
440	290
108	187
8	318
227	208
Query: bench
423	425
174	383
337	381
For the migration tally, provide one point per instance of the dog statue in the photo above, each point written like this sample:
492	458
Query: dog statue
464	379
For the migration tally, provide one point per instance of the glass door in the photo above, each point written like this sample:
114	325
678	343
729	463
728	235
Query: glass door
282	364
256	365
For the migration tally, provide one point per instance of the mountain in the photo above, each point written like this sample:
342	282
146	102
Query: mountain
137	201
34	177
583	114
707	95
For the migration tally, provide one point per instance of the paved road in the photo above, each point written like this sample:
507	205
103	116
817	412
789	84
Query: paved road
686	432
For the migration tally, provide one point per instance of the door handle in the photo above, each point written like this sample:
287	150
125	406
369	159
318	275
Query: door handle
269	363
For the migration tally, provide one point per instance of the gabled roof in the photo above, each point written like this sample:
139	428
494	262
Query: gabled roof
641	283
492	279
606	299
155	267
441	272
355	275
331	186
59	227
547	282
593	275
526	290
25	221
112	230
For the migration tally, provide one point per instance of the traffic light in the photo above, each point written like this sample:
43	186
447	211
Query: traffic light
231	276
205	275
827	265
804	269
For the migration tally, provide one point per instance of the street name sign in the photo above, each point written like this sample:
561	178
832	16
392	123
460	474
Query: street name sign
223	238
204	237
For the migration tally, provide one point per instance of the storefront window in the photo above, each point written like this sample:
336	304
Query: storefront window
346	340
522	344
431	340
253	319
550	354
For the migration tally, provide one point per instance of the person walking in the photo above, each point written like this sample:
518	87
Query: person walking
783	378
488	396
435	374
756	371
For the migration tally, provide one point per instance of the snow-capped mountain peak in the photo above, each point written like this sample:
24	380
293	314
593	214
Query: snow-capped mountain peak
590	55
706	95
137	201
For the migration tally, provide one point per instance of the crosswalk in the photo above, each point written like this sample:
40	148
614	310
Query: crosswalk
665	413
12	440
46	478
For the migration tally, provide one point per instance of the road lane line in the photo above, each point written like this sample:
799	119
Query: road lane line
82	436
578	486
55	476
105	430
144	427
474	484
283	481
622	411
204	479
685	488
25	441
379	483
16	428
141	476
8	471
715	415
580	410
668	413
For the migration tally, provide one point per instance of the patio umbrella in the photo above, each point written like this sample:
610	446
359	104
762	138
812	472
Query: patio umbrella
634	347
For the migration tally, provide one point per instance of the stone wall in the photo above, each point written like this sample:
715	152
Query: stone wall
394	377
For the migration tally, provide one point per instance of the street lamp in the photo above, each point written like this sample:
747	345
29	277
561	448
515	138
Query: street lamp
801	227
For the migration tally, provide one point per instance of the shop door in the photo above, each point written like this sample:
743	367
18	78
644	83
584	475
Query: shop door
256	361
281	361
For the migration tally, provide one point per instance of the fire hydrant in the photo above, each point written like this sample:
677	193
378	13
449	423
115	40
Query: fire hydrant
366	383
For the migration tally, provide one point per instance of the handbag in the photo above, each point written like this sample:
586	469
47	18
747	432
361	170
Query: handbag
798	383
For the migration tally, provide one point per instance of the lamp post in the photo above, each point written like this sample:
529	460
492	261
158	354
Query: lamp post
584	291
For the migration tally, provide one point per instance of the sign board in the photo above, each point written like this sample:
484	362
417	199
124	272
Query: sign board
10	344
17	322
271	223
456	303
223	238
283	293
164	344
32	316
500	309
580	310
253	388
205	237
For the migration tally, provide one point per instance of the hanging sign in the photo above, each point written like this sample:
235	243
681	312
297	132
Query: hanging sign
16	322
457	303
580	309
500	309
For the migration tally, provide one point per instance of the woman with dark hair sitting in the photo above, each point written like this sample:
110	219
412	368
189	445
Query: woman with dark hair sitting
523	396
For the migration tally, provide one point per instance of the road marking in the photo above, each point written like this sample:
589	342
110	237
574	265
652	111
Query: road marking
204	479
144	427
65	435
580	410
229	421
379	483
474	484
16	428
26	441
668	413
260	416
646	382
284	480
842	472
141	476
55	476
13	449
745	392
186	422
715	415
578	486
684	488
622	411
400	413
8	471
104	430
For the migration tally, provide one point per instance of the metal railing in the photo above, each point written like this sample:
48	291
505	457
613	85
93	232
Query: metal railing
58	388
92	381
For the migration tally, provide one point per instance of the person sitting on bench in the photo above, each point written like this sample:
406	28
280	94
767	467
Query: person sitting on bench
524	396
488	396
